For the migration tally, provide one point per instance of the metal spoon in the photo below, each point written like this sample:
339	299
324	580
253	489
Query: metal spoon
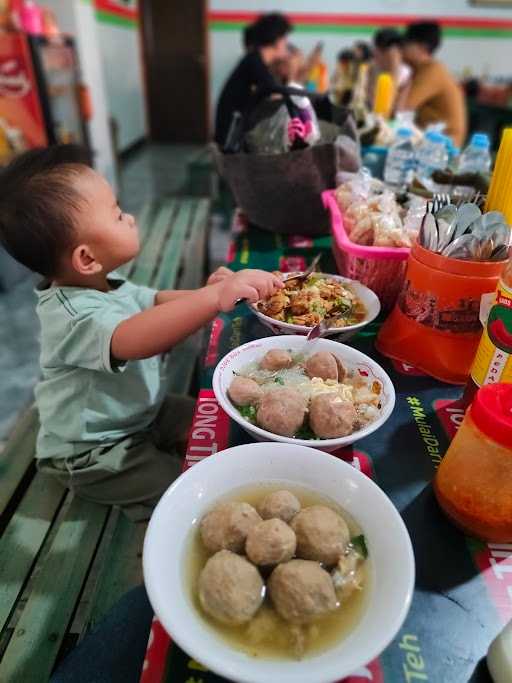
428	232
300	277
466	214
463	247
323	327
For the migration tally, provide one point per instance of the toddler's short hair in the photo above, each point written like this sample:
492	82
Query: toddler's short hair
38	204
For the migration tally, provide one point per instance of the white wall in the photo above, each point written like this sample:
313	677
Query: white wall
120	52
78	19
491	55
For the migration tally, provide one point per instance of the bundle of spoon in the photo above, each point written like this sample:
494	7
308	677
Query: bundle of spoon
463	232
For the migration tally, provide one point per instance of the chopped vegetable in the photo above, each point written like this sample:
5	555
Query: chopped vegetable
249	412
279	380
305	432
359	543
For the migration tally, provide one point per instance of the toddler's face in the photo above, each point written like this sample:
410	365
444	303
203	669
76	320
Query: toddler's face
112	235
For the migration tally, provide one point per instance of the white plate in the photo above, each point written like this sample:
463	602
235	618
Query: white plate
195	492
240	357
369	299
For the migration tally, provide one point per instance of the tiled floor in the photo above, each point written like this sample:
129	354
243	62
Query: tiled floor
150	172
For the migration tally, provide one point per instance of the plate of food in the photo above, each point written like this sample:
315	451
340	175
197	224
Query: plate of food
277	563
302	304
321	394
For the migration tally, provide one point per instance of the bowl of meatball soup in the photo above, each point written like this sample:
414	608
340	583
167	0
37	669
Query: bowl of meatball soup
278	563
321	394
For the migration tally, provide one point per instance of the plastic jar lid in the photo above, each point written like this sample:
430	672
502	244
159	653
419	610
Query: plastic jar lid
404	132
491	411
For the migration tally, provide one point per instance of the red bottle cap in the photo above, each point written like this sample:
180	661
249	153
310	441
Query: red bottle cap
491	411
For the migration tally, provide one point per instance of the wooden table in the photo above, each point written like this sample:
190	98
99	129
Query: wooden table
463	593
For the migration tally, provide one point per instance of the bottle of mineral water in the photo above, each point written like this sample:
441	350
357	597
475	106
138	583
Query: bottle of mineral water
432	154
400	161
476	158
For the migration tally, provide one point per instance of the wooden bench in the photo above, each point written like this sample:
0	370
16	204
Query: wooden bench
64	561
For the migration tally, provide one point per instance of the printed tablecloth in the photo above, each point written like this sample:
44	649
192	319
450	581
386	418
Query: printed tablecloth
463	593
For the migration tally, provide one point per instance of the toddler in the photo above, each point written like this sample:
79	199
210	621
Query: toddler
106	430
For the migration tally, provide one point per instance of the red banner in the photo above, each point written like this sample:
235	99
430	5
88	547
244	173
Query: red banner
126	9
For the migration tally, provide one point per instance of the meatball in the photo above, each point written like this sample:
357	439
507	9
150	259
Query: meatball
301	591
281	411
276	359
331	417
270	542
322	534
326	366
230	588
244	391
279	504
227	526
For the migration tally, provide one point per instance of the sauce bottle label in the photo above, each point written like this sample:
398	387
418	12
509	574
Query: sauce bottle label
493	360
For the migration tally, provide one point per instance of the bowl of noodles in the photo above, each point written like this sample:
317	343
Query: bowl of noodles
301	305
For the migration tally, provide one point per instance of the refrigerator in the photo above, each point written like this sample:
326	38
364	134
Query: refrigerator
39	90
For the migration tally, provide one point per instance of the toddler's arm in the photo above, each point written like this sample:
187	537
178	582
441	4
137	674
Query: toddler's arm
157	329
172	294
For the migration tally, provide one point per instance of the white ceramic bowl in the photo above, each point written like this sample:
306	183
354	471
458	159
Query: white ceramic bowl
195	492
240	357
369	299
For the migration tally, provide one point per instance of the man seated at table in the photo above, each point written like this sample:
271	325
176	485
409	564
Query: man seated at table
266	43
434	94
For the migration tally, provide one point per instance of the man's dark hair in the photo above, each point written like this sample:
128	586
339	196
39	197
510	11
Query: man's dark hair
386	38
38	204
428	33
345	56
366	51
247	37
269	28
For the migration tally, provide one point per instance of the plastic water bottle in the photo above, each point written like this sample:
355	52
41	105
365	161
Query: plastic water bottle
400	161
432	154
476	158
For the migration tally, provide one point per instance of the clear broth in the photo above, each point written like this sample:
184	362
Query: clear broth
267	635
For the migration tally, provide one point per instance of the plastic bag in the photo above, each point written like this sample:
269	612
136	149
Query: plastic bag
270	135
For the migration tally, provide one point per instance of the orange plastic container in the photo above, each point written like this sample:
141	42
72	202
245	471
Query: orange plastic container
435	323
474	481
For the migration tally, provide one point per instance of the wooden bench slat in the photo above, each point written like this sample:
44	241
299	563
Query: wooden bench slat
192	276
17	455
145	223
31	652
24	537
145	265
122	567
184	356
172	254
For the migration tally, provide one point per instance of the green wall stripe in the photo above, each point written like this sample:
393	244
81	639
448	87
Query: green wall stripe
108	18
450	32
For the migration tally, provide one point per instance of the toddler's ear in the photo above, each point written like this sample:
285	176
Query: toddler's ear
84	261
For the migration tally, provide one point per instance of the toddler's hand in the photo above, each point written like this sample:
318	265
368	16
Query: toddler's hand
220	274
252	285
